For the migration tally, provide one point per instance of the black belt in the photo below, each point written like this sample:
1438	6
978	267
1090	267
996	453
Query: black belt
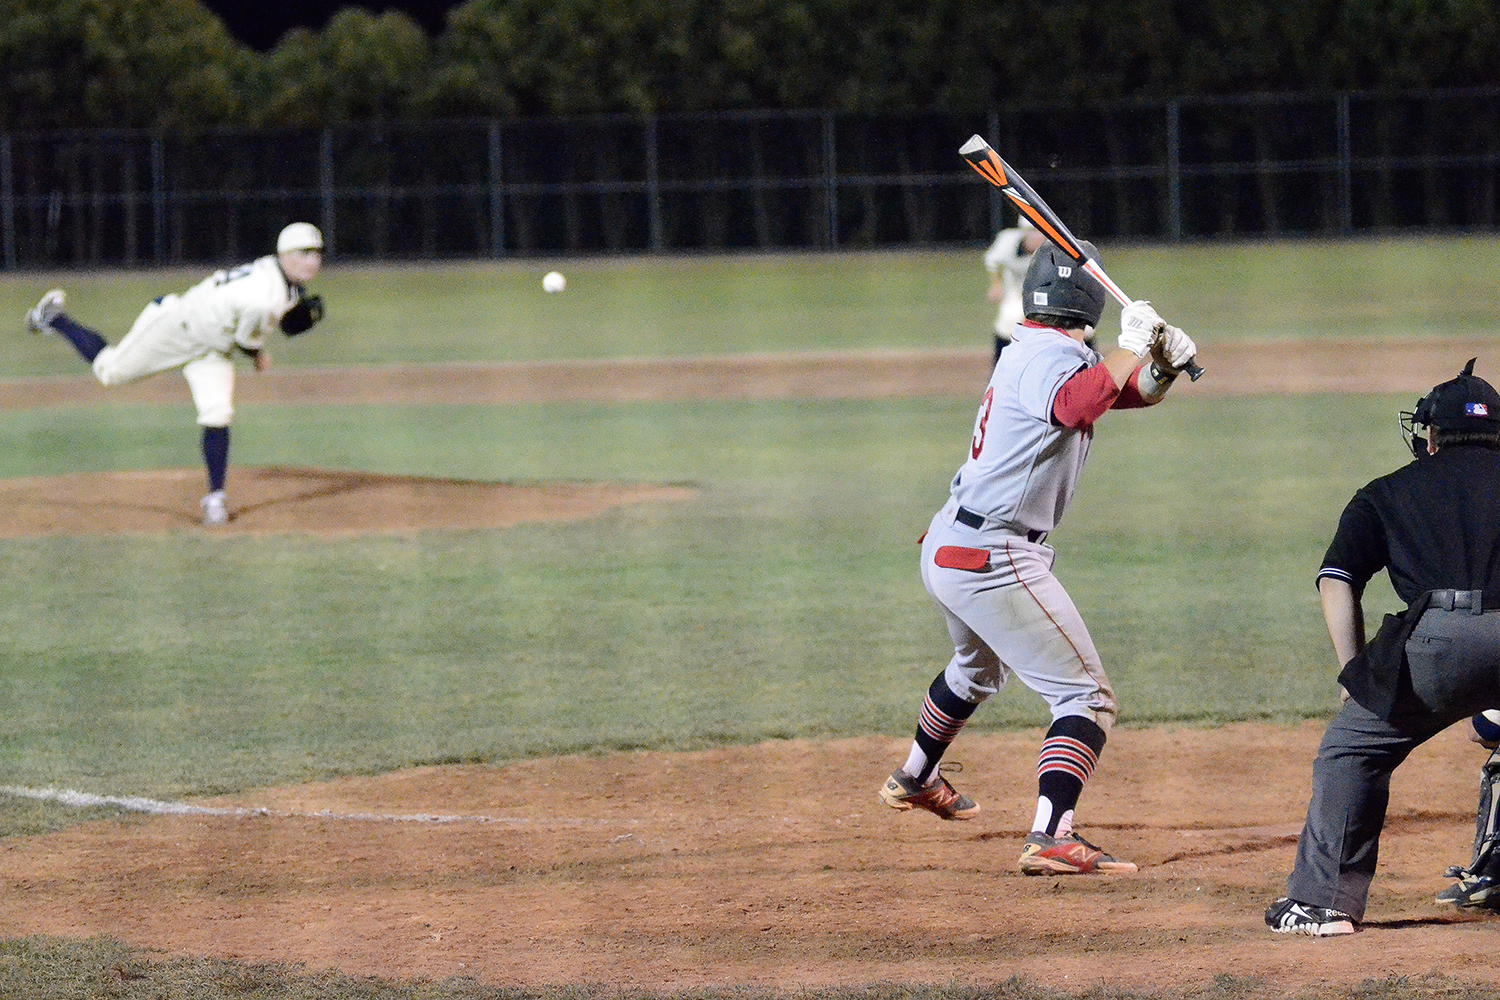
1462	600
965	516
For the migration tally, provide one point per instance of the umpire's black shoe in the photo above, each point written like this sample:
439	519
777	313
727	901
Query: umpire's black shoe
1287	916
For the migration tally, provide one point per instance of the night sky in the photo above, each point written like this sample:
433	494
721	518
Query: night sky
261	24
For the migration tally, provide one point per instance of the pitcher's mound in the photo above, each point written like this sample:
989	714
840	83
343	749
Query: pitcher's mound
316	501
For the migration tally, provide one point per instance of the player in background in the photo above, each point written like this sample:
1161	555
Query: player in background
986	563
1006	260
199	331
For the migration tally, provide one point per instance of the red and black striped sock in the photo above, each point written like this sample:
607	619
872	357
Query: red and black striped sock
1068	756
943	715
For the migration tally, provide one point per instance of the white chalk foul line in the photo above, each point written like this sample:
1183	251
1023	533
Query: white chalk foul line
156	807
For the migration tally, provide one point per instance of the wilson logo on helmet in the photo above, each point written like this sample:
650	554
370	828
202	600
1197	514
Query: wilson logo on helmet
1054	286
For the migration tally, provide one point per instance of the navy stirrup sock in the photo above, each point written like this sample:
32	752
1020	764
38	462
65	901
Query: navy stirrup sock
216	455
85	341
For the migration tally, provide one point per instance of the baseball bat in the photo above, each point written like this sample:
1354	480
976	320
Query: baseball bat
983	158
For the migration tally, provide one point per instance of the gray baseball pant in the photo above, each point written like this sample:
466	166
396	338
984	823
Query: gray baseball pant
1454	662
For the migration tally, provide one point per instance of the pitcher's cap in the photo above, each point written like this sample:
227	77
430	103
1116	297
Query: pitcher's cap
299	236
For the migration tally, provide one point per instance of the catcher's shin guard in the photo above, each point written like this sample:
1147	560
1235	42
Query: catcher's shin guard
1479	884
1487	819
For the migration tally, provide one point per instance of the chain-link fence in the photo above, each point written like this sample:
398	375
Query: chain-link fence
1254	165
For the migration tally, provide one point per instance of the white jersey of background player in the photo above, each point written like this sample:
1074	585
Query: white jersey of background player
199	331
986	564
1006	260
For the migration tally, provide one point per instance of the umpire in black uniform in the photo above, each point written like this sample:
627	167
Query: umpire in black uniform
1434	526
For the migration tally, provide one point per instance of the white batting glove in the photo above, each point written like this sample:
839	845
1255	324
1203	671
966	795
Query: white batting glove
1138	322
1175	349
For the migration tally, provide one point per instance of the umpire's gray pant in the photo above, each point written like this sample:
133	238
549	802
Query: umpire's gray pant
1454	660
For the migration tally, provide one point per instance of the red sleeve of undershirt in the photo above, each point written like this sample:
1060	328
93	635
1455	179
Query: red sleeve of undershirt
1130	396
1084	397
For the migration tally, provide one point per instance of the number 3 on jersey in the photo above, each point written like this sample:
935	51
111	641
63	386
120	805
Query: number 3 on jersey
980	422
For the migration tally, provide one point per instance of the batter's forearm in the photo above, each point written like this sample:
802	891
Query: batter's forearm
1146	387
1121	364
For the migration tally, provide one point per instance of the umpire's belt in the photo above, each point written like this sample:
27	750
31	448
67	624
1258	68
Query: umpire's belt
1477	601
968	517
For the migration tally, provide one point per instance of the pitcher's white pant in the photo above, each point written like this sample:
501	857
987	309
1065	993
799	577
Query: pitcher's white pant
1014	618
160	339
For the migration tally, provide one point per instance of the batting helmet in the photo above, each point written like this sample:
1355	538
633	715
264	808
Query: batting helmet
1466	404
1056	286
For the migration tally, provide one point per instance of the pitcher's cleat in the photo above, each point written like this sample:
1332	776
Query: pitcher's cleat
39	318
215	514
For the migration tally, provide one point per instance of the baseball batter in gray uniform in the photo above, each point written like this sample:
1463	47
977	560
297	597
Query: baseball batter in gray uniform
986	563
198	331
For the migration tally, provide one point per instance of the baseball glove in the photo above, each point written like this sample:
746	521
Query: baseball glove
302	316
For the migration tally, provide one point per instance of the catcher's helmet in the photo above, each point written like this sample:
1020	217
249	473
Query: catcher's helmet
1056	286
1465	403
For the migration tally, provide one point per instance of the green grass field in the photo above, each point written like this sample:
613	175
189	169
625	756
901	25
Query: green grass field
751	304
782	602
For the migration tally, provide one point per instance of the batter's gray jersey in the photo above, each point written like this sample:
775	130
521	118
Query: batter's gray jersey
1022	468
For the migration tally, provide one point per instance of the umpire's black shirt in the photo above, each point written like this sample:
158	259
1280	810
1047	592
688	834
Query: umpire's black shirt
1432	525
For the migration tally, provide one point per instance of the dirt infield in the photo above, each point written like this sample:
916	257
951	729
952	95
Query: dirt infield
771	865
307	501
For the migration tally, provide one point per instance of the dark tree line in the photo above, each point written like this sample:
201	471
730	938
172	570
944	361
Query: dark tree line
172	63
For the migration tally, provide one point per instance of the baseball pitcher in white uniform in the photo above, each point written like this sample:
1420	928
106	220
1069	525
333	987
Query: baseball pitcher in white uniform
199	331
1007	259
986	563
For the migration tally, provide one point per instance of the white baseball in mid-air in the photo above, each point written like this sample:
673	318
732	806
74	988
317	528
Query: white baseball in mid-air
553	282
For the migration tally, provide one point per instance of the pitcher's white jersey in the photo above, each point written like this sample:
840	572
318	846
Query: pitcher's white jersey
204	323
1007	253
239	306
1022	468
